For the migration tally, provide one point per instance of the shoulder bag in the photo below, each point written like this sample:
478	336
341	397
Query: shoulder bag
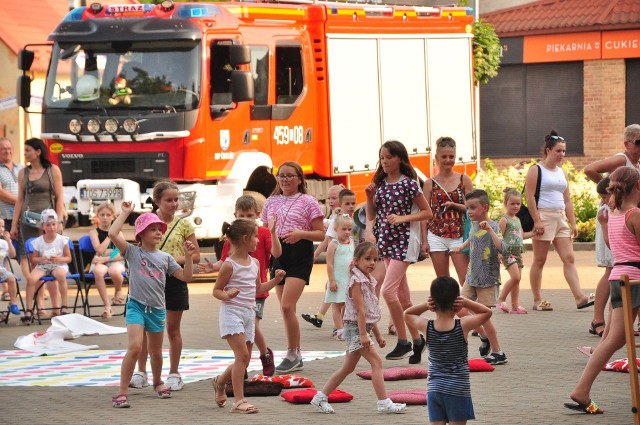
523	214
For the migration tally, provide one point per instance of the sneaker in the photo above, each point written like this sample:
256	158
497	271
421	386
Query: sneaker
314	320
268	366
289	366
496	358
334	333
174	382
139	380
388	406
400	352
485	346
339	335
418	349
14	309
322	403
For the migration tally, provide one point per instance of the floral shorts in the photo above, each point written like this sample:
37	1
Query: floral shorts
511	257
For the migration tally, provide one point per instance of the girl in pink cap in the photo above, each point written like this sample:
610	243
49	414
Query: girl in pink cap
146	313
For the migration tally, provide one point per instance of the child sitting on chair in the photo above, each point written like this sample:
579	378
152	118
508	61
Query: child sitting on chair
107	258
52	256
6	277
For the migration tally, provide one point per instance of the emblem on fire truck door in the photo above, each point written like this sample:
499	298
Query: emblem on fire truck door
225	139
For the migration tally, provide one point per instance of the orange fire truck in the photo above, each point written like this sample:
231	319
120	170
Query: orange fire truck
214	95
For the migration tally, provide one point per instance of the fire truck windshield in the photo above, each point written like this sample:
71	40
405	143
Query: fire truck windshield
133	75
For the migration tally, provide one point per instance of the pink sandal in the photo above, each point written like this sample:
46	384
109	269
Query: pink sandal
519	310
120	400
503	306
163	393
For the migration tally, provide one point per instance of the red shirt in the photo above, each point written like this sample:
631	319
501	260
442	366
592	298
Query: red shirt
262	254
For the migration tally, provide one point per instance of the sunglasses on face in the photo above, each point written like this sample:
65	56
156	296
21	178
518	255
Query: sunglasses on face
446	142
636	142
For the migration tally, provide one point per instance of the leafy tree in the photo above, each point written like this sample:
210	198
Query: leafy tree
486	51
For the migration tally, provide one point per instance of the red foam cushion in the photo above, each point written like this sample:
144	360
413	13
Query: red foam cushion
287	381
397	373
620	365
305	396
408	396
479	365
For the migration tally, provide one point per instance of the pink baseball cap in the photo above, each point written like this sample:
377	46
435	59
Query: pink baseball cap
147	219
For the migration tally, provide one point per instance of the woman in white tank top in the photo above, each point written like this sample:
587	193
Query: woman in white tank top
554	221
595	172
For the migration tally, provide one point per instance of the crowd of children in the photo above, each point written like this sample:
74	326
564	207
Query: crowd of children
400	229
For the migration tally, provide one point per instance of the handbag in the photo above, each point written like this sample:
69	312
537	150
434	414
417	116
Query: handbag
524	214
30	218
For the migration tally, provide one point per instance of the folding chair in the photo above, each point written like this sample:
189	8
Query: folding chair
627	309
86	251
72	275
9	266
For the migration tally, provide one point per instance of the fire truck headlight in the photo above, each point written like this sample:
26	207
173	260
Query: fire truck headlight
75	126
93	126
130	125
111	125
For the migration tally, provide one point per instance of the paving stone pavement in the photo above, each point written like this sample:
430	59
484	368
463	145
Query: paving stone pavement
543	367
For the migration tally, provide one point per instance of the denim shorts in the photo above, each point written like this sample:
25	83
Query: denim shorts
351	334
443	407
152	319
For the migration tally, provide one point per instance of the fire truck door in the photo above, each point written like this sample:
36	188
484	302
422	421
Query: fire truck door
260	121
292	113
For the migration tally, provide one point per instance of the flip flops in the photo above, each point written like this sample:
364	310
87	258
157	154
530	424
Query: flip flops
590	408
543	306
591	299
586	350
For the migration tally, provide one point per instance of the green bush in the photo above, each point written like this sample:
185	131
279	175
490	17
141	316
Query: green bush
583	193
586	231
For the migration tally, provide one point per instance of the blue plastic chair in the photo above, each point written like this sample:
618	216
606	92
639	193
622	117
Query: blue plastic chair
75	276
9	266
89	279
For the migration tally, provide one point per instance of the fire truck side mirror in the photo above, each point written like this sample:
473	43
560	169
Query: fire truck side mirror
242	86
25	59
23	92
239	55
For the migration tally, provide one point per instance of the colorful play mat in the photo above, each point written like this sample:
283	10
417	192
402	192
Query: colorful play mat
102	367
